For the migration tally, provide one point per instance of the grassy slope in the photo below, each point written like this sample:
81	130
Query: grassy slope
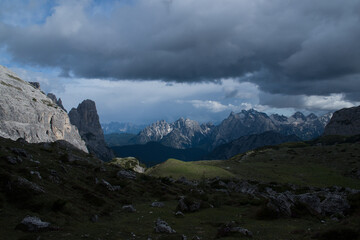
82	198
191	170
299	164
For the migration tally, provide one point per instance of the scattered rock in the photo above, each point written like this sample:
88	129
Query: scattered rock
158	204
94	218
163	227
24	184
21	152
109	186
129	208
126	174
183	180
13	160
182	205
36	173
231	228
34	224
179	214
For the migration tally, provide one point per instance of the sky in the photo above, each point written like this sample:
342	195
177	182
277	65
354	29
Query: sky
147	60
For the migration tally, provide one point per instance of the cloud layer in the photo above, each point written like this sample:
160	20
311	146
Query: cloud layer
284	46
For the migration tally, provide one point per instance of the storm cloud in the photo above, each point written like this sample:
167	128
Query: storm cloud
286	47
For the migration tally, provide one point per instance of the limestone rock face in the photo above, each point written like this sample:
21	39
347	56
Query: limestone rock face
86	119
345	122
26	112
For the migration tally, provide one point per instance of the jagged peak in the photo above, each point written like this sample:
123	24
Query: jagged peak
298	115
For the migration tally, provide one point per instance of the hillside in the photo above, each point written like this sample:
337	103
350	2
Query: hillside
70	195
176	169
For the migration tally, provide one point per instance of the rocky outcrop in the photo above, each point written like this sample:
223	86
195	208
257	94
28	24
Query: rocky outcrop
86	119
246	143
56	101
345	122
26	112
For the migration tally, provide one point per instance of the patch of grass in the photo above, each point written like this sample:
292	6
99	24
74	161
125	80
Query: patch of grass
9	85
13	77
190	170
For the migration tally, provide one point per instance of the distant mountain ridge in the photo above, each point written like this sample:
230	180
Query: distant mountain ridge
181	134
186	133
250	142
122	127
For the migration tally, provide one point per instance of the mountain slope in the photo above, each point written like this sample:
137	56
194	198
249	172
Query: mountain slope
26	112
246	143
344	122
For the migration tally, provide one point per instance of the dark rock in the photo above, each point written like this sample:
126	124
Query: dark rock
34	224
183	180
182	205
158	204
129	208
36	85
86	119
311	201
345	122
179	214
13	160
334	203
36	173
94	218
22	184
109	186
21	152
126	174
231	228
163	227
56	101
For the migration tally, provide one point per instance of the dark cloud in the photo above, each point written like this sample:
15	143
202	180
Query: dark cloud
290	47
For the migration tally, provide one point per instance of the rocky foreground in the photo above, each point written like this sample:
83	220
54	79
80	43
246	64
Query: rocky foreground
54	191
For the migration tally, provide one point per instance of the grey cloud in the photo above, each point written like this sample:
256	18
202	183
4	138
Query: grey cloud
290	47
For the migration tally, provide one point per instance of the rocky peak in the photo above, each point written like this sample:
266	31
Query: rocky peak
26	112
86	119
278	118
56	101
345	122
299	115
36	85
311	116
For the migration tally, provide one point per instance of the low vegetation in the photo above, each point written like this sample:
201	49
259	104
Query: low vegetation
83	198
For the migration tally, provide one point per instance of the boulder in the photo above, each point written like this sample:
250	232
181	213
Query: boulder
128	208
33	224
158	204
163	227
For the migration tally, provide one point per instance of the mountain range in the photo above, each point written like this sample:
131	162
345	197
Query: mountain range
122	127
186	133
